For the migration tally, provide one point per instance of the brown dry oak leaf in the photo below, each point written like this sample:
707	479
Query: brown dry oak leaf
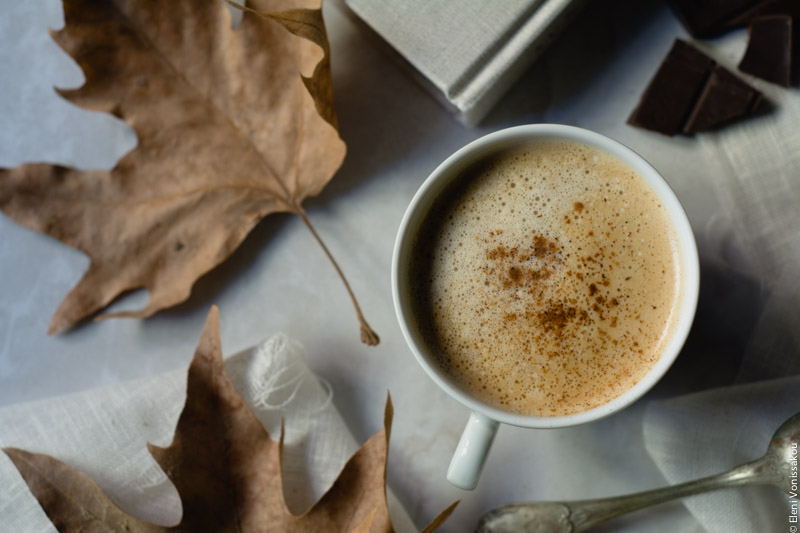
226	469
232	125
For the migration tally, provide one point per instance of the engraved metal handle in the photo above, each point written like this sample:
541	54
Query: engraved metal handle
573	517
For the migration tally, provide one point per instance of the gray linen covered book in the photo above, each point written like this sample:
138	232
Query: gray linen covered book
468	53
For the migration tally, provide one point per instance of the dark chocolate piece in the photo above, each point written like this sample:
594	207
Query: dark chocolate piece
671	94
709	18
763	9
690	93
769	52
724	98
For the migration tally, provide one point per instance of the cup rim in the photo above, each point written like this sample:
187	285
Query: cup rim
497	140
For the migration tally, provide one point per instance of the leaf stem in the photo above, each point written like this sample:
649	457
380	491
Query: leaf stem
368	336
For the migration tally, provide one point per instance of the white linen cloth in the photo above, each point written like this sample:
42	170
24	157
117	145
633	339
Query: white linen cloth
710	432
104	433
713	431
686	437
761	192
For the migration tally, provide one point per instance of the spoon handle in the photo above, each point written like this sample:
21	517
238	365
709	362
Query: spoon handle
573	517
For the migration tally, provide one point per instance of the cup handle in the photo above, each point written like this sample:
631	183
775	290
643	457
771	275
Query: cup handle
471	452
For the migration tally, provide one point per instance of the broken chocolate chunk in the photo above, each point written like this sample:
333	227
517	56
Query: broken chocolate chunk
671	94
763	9
769	52
724	98
709	18
691	93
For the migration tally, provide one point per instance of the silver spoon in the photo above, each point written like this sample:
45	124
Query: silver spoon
774	468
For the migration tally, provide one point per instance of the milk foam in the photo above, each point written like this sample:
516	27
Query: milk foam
547	279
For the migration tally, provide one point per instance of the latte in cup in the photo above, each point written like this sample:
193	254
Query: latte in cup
546	278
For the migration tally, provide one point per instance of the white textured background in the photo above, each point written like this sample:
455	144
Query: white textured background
279	280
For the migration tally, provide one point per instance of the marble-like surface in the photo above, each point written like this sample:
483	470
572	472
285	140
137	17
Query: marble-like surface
279	280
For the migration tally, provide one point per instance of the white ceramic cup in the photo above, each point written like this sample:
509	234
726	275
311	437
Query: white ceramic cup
472	450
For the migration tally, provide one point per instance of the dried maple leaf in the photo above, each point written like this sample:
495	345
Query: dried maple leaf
233	124
231	481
